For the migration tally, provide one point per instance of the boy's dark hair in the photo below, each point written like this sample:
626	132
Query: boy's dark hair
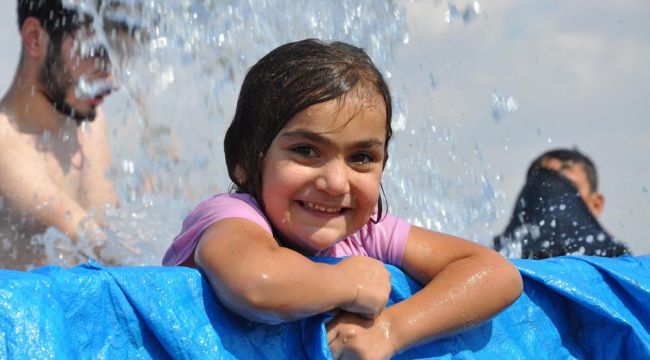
568	155
53	16
286	81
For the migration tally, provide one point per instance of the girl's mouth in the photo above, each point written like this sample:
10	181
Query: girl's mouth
320	208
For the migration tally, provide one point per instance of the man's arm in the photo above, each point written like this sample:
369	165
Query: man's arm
26	188
98	189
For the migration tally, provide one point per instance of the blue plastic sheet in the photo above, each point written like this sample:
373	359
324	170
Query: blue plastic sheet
572	307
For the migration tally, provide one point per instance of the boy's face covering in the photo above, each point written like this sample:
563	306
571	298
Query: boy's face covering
551	219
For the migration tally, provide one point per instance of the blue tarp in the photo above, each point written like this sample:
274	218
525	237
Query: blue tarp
572	307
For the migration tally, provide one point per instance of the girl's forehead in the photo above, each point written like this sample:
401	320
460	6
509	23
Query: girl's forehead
335	114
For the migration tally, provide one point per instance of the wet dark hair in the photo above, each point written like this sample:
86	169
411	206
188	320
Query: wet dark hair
286	81
567	155
53	16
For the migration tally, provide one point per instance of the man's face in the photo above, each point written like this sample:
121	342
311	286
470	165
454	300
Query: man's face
77	71
577	174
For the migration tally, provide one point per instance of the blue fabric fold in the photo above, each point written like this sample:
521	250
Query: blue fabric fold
572	307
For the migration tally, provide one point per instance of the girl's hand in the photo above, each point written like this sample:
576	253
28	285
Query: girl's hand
372	282
353	337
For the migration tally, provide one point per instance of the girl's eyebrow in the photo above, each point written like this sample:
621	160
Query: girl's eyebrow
319	138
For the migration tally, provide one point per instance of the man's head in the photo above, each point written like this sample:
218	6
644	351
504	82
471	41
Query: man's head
73	66
576	167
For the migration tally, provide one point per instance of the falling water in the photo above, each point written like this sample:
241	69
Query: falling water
180	65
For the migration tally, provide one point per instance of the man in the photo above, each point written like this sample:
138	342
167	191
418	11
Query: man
557	209
54	156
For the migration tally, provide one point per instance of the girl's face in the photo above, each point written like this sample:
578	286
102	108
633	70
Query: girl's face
321	175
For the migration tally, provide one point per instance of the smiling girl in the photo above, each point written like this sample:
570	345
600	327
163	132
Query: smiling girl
306	151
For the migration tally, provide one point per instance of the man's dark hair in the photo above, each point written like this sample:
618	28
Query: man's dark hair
568	155
53	16
286	81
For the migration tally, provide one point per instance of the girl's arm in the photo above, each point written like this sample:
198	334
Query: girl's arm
255	277
464	285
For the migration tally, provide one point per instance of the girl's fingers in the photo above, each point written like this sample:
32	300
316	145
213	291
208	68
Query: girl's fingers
336	349
331	336
333	341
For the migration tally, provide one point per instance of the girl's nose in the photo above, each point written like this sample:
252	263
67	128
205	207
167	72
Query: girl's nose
333	178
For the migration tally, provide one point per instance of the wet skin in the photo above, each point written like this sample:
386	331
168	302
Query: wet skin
321	180
62	175
322	173
91	66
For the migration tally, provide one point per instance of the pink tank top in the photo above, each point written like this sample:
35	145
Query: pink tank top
383	241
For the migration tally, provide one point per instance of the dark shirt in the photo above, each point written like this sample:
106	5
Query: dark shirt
551	219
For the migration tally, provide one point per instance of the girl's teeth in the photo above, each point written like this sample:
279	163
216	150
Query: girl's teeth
312	206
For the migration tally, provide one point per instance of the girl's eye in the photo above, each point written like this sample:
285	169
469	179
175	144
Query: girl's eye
362	159
304	150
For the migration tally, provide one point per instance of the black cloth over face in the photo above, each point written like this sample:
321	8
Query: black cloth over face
551	219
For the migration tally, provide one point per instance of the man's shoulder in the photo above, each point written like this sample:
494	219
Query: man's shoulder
6	127
9	134
14	144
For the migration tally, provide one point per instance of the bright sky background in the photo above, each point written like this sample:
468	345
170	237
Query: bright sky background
577	70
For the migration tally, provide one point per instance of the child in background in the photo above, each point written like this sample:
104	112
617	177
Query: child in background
306	151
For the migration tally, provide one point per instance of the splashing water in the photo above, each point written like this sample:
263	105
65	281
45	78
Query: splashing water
469	13
180	65
502	105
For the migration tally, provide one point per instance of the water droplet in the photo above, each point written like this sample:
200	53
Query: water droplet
468	14
534	232
452	13
589	239
432	81
502	105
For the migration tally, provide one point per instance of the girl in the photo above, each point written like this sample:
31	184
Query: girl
306	151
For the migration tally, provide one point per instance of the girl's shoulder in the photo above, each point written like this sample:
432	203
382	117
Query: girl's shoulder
226	202
386	239
208	212
383	240
228	205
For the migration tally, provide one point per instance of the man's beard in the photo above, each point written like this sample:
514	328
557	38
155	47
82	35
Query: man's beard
57	82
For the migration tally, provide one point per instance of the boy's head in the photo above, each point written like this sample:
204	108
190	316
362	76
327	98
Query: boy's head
576	167
286	81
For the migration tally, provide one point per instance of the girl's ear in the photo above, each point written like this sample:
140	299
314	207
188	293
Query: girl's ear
34	38
239	174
